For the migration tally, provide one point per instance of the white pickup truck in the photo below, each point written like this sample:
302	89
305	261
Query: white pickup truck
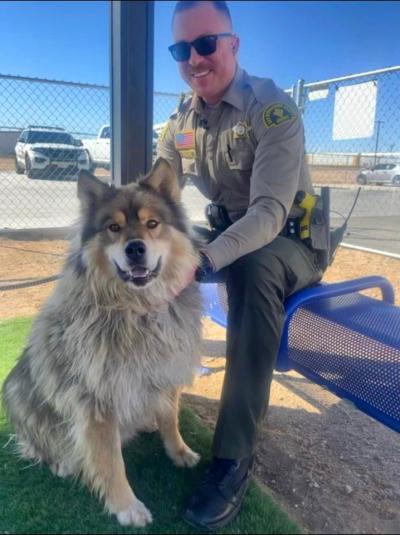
99	149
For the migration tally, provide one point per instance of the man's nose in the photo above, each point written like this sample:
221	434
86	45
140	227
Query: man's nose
195	58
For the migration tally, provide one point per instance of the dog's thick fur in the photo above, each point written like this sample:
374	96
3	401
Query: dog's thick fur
115	343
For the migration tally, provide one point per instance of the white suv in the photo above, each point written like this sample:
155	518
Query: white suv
49	152
383	173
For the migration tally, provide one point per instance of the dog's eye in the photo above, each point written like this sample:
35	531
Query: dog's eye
114	227
152	223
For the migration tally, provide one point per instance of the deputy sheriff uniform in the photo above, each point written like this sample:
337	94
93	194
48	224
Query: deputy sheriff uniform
247	154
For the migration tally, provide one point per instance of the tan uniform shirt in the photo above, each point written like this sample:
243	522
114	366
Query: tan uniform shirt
247	153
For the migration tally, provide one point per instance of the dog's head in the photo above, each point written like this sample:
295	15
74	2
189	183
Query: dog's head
136	234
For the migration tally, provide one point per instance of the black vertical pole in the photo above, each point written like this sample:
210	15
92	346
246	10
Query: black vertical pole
132	48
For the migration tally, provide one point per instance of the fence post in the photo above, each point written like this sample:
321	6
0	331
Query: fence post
132	31
293	92
300	95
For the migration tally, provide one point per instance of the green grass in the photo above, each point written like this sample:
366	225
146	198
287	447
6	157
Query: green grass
32	500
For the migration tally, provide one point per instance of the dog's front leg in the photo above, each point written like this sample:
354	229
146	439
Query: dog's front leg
104	471
167	420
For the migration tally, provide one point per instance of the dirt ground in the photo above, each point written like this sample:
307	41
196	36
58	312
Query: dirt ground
333	469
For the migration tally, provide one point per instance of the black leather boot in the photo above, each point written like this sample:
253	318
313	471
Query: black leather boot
218	498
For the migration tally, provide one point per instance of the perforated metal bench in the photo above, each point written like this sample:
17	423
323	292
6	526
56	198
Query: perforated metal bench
341	339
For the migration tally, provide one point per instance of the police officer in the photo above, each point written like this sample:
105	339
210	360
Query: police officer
240	139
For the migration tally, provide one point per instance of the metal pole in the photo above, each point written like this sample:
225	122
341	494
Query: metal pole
314	85
132	33
292	92
300	95
377	139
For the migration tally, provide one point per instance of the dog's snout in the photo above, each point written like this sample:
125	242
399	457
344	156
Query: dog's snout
135	250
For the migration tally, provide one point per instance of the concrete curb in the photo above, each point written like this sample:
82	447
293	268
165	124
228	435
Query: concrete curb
368	250
37	234
392	189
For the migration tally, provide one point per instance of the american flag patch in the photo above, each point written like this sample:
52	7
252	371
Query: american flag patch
184	140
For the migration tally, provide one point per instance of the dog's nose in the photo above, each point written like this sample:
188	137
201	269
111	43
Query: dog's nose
135	250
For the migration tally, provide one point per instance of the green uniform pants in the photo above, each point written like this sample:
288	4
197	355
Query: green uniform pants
257	286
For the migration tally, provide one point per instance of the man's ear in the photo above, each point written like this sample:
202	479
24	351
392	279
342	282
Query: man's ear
235	44
162	178
91	191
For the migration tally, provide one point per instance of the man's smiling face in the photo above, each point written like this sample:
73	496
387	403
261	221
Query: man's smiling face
208	76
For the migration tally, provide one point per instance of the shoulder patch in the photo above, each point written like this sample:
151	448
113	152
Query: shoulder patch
277	114
164	131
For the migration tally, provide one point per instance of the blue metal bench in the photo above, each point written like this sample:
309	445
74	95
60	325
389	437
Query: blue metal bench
341	339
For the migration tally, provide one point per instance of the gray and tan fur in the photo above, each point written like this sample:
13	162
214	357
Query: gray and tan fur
116	341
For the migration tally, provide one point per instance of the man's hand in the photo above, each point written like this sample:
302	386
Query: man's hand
205	267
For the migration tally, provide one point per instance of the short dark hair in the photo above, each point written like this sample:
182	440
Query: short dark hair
219	5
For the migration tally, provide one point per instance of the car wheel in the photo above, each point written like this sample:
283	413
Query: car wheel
18	169
92	165
28	168
396	180
361	179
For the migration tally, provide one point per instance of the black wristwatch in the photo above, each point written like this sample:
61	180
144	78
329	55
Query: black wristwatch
204	269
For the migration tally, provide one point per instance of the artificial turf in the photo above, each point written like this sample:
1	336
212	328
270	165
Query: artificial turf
32	500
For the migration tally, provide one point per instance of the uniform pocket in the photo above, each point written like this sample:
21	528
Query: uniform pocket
189	166
238	153
301	264
241	160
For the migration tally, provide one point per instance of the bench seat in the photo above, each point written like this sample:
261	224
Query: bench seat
341	339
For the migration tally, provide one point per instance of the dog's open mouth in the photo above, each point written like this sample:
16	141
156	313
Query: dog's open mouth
139	275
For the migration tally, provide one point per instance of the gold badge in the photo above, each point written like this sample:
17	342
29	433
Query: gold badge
241	130
277	114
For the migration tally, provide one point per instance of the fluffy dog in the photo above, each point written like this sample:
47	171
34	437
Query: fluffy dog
116	341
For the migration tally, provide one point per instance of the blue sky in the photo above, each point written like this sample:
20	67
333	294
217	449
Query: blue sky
281	40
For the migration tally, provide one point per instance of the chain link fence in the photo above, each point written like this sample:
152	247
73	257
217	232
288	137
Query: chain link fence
352	127
51	129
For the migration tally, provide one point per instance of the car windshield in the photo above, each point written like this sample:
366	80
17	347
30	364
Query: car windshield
50	137
105	134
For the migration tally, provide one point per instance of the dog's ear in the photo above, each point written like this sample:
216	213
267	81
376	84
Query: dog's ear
91	191
163	179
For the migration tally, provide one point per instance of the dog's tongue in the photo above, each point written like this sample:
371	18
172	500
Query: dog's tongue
139	272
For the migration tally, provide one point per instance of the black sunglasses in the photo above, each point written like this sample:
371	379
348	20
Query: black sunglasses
204	46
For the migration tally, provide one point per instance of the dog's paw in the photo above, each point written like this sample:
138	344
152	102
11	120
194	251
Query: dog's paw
136	515
62	469
185	457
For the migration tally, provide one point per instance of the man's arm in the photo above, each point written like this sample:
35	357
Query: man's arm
166	149
274	182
